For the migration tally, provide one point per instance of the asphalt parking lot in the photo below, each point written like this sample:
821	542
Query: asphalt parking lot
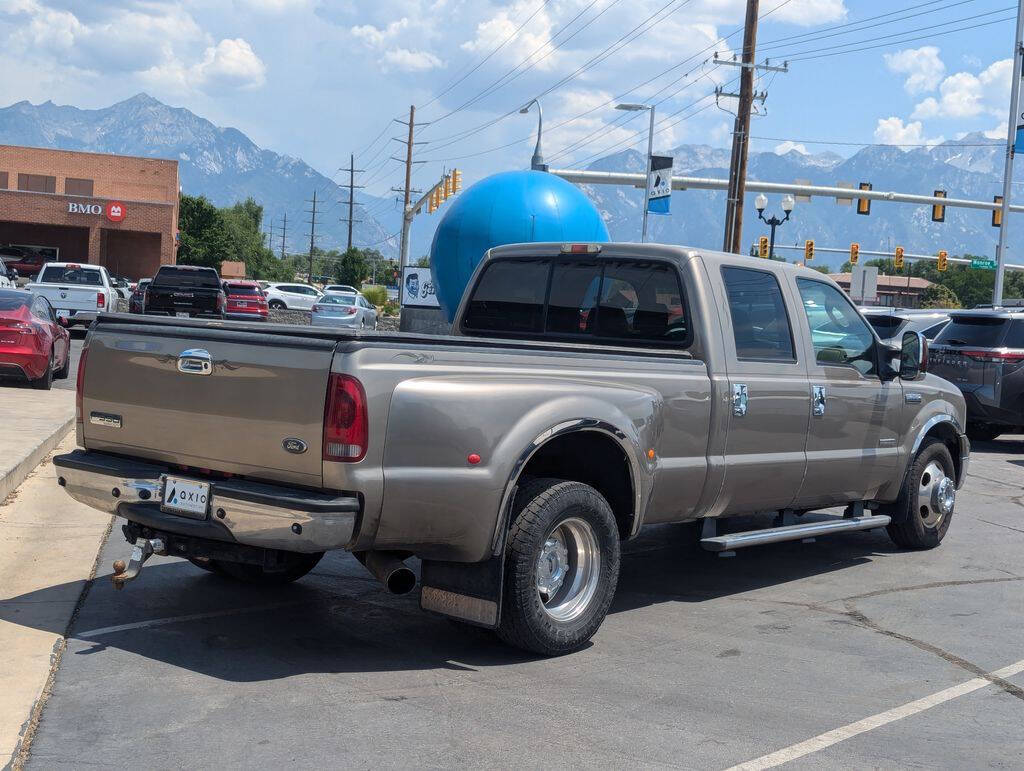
841	653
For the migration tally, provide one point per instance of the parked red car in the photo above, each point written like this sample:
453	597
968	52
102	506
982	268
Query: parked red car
27	262
246	301
33	346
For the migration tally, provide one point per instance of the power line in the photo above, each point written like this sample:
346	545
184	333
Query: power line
993	143
351	196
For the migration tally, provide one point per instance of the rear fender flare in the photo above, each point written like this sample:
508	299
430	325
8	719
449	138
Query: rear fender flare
641	472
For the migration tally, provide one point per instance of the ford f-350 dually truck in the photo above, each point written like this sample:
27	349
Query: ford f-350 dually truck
587	390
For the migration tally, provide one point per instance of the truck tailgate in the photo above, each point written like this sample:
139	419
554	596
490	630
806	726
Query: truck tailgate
261	390
74	298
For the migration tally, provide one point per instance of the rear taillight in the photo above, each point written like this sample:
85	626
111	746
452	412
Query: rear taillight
346	426
315	309
80	386
351	311
101	300
1001	357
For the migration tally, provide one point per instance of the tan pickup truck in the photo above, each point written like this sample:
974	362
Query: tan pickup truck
588	390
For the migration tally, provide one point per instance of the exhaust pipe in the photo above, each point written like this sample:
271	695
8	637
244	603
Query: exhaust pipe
388	568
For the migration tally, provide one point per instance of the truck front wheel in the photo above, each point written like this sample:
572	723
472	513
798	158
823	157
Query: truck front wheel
561	567
921	515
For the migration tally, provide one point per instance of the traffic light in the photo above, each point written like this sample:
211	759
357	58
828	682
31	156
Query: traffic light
808	250
854	253
447	187
456	181
938	209
943	259
898	258
432	202
997	213
864	204
762	246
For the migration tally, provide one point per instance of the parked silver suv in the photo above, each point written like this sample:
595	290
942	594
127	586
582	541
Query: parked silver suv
982	353
890	323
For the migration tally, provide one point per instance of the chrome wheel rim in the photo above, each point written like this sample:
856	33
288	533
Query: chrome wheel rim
568	569
936	495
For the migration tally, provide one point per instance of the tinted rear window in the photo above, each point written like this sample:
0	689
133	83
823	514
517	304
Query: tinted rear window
509	298
170	276
1015	334
68	275
759	320
12	301
243	289
985	331
337	299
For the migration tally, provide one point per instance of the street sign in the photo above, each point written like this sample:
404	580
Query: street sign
864	284
986	264
659	184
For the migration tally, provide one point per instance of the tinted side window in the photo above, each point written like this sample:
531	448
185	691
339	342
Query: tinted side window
760	323
839	333
641	301
509	297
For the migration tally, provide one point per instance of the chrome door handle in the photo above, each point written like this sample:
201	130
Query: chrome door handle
739	399
195	361
818	399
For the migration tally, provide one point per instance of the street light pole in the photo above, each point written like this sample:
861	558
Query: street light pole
1011	134
773	222
537	162
650	158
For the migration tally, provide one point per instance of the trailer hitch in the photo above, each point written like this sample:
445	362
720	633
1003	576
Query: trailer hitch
142	550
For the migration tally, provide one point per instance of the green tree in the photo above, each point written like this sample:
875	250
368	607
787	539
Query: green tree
820	268
939	296
203	237
423	262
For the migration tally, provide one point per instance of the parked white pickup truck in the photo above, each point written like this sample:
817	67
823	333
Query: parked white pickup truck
77	291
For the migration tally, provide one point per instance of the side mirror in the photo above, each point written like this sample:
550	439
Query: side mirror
913	356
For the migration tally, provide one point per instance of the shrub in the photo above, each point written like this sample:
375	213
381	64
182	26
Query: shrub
377	295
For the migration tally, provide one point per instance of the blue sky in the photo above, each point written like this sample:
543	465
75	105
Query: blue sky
319	79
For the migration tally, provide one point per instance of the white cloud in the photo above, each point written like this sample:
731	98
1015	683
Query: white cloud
787	146
922	66
808	13
230	63
375	36
273	6
893	131
410	61
966	95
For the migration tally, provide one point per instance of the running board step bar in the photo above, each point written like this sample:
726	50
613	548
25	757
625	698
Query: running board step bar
730	541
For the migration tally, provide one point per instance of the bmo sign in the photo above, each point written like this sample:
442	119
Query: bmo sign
114	211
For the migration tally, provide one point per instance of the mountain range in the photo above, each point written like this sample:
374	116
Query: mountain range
226	166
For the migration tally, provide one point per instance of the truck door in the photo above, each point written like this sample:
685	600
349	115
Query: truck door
764	454
853	443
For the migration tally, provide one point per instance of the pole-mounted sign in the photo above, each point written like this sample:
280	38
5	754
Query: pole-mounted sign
659	184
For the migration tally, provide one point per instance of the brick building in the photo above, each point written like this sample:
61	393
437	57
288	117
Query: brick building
893	291
113	210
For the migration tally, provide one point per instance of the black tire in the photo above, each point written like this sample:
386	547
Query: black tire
62	373
46	381
982	432
911	528
276	305
296	567
541	506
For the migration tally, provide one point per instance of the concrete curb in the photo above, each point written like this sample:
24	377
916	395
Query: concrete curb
10	481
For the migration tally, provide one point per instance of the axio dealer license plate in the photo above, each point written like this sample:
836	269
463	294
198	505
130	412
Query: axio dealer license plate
186	497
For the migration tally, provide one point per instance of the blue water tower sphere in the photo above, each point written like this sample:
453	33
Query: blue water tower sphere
512	207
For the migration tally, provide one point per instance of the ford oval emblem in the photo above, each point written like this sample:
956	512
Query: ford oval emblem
294	446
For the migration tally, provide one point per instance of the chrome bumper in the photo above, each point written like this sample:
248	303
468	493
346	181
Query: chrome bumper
249	513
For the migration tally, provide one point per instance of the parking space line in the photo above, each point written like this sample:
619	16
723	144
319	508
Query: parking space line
180	619
827	739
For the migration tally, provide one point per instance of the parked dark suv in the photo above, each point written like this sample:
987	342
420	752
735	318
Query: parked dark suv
982	353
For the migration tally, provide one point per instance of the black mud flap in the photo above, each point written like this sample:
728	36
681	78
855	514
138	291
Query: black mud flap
468	591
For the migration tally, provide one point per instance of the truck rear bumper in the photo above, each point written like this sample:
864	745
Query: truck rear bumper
240	511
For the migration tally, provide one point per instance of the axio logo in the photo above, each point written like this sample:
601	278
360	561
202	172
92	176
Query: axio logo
115	211
85	208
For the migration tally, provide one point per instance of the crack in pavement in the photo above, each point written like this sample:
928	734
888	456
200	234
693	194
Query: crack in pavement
1000	524
952	658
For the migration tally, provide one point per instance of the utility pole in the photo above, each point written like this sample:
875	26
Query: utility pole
1011	135
407	191
312	237
351	195
740	134
284	231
